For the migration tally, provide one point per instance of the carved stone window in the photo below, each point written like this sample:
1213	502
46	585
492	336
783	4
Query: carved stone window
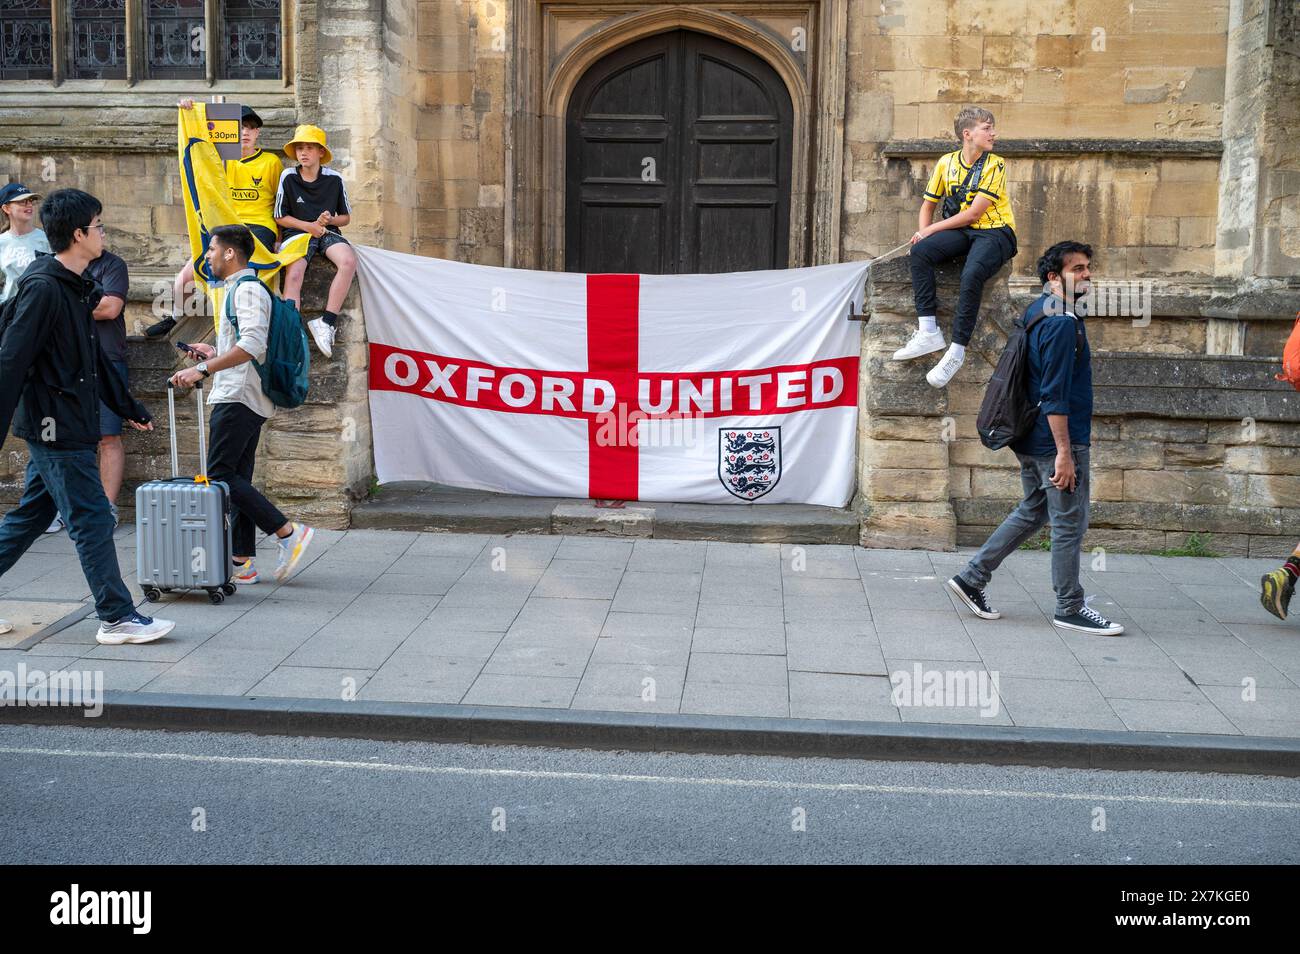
98	39
251	39
26	39
176	39
206	40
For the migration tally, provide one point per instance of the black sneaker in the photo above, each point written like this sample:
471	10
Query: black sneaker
160	328
1088	620
973	598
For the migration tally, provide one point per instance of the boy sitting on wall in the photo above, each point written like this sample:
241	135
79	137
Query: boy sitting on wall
969	186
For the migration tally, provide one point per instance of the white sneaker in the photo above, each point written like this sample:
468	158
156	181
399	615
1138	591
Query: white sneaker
133	629
942	373
5	627
56	526
921	342
323	334
245	573
292	548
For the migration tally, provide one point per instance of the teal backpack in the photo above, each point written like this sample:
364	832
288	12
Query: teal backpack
287	361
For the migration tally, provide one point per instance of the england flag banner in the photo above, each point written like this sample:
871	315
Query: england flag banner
733	388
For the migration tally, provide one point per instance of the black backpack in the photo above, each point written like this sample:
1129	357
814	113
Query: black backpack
1007	412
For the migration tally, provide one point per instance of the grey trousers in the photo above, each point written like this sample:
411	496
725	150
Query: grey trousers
1068	513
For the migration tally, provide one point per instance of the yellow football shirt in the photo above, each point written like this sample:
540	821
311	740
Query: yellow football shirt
253	184
950	172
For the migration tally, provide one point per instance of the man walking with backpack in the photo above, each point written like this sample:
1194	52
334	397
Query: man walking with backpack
241	405
53	376
1053	452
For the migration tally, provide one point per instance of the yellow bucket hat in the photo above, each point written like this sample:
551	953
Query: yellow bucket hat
308	133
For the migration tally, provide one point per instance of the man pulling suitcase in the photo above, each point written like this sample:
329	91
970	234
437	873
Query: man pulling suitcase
240	406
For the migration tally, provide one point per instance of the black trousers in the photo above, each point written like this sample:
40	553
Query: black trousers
986	251
232	452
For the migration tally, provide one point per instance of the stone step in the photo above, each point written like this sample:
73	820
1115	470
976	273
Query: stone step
424	506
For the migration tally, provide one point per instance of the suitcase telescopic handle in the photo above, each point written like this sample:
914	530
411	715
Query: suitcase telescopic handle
171	428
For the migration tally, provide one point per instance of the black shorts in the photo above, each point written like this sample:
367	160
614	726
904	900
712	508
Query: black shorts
319	245
264	235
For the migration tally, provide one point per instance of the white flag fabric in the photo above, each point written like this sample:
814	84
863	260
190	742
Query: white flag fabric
732	388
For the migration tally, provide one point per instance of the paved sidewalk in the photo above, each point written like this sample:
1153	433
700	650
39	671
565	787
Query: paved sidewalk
691	627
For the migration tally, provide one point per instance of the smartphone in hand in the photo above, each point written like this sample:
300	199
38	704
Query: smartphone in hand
181	345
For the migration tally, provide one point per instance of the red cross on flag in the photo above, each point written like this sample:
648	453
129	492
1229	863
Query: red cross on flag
731	388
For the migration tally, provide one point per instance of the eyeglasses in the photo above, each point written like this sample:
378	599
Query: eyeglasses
102	228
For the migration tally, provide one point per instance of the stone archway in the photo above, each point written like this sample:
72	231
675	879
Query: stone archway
554	47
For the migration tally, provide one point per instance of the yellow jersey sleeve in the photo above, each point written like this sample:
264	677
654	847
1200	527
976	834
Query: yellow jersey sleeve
937	187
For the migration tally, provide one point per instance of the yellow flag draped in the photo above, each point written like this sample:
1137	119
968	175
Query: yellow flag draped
206	197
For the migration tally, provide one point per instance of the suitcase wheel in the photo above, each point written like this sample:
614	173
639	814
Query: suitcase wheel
228	588
217	597
153	594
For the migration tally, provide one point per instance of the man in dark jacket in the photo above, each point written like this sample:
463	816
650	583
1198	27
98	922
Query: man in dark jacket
1053	455
53	375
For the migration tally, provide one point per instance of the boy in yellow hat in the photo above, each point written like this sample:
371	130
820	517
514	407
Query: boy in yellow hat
312	198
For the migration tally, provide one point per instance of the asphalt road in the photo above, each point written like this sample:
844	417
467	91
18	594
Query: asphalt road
73	795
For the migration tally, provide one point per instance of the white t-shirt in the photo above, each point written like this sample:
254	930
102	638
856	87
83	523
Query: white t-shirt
16	253
242	384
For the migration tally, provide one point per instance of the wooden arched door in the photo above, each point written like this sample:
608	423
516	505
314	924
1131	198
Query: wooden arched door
678	156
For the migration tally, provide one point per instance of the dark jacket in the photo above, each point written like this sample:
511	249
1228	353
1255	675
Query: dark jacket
1060	376
53	373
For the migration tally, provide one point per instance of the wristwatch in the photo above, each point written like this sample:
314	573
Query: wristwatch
202	368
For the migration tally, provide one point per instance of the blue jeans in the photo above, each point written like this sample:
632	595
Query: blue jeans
67	482
1068	513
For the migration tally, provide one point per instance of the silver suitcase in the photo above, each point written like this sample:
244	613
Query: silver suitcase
182	526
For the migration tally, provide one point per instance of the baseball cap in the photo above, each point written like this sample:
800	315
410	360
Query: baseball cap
246	114
15	191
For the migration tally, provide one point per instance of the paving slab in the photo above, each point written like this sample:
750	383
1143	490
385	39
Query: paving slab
834	695
424	678
1056	703
766	640
631	687
498	689
815	648
312	683
1147	715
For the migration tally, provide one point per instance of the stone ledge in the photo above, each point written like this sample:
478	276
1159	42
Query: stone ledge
1032	148
889	290
1201	387
414	505
1127	515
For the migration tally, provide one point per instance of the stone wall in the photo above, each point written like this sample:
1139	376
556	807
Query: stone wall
1183	442
1259	232
1109	113
458	129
